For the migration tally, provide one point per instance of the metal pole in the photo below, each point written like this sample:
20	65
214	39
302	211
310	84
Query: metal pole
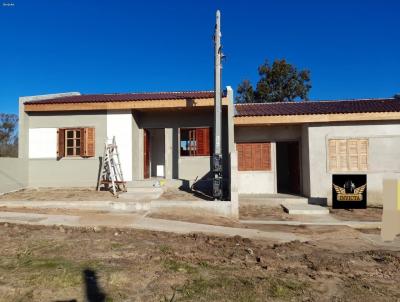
217	157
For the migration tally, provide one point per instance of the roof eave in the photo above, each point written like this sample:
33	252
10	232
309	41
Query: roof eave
314	118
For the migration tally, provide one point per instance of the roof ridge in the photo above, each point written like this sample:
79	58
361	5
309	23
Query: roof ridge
319	101
153	92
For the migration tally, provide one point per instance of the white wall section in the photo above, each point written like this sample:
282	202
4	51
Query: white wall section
119	124
43	143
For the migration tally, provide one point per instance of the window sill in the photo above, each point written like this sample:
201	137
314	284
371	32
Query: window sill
255	171
197	156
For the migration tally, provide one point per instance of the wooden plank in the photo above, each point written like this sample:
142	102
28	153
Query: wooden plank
314	118
176	103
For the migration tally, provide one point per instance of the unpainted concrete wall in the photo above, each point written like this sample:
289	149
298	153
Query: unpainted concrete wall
13	174
263	182
186	168
382	163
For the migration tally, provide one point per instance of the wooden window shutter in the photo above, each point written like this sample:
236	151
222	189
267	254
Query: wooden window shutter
362	146
341	147
200	148
239	148
88	142
266	156
203	141
254	156
352	149
60	143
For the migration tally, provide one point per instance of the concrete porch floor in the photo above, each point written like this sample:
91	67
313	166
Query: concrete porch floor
271	199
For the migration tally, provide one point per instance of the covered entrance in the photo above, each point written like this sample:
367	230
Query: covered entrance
154	153
288	167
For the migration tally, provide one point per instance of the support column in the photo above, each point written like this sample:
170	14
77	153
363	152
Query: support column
168	153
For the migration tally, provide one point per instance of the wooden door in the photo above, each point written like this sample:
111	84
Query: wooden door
146	154
294	167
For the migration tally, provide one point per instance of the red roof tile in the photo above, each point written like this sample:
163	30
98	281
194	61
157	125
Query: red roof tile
318	107
125	97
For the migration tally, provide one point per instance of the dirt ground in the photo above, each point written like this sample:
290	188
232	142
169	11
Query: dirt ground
196	216
277	213
259	212
48	194
74	264
86	194
368	214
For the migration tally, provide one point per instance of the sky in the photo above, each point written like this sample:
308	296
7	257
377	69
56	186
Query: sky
352	48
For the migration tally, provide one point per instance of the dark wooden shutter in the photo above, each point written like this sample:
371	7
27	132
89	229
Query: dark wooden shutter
82	147
89	142
254	156
266	156
203	141
60	143
239	148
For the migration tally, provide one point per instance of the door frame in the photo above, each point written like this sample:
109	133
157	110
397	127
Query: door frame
146	154
299	153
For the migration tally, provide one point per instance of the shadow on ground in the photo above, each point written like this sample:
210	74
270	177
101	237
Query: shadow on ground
92	290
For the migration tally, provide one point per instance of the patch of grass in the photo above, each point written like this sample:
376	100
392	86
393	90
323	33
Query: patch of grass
179	266
165	249
225	286
116	245
222	287
285	289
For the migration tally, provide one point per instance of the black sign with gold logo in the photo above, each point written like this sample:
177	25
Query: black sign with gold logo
349	191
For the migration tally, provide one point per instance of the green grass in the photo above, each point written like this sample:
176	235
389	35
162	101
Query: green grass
179	266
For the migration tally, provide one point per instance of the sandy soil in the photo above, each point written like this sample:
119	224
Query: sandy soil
58	194
71	264
258	212
368	214
176	194
196	216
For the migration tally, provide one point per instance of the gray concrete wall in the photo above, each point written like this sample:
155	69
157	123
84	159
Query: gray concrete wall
157	152
383	152
13	174
186	168
67	171
263	182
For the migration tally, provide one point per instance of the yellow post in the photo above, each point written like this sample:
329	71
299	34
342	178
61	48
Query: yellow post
391	209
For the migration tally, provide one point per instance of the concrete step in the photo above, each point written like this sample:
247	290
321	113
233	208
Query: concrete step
271	199
305	209
155	182
145	193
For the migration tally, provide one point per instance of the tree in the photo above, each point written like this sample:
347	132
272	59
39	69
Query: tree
279	82
8	134
245	92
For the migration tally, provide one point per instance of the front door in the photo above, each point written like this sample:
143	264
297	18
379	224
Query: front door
288	167
146	153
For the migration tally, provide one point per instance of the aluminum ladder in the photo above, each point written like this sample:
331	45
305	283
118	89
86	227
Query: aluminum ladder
111	172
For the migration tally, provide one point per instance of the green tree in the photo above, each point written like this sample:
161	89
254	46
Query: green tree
8	134
279	82
245	92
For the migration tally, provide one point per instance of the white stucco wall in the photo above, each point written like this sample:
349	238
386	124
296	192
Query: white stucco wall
42	143
119	124
383	156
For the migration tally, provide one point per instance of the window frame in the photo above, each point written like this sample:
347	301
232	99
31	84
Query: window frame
193	145
74	140
85	142
349	154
